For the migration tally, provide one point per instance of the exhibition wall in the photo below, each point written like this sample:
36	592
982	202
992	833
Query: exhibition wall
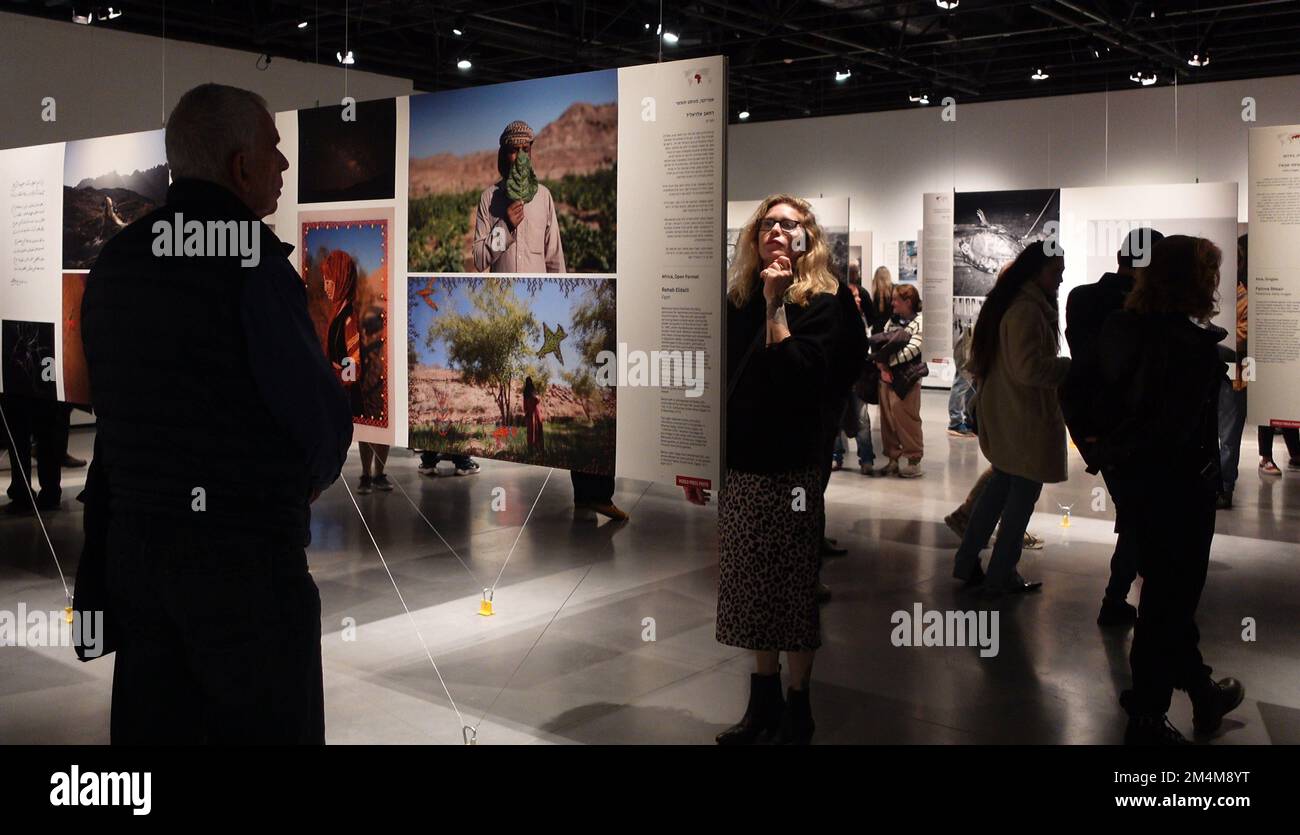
109	82
558	338
884	162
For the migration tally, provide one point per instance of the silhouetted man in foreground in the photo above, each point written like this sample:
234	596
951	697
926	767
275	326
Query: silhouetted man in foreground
220	421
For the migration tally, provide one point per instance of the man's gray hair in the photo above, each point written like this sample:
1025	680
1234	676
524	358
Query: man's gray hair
211	123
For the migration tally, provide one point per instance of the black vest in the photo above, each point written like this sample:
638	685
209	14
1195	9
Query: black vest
178	409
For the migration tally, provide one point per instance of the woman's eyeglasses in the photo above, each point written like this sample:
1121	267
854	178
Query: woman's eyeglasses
766	224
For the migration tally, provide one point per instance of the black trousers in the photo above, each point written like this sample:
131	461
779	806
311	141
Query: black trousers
1172	526
1124	562
47	422
218	636
592	489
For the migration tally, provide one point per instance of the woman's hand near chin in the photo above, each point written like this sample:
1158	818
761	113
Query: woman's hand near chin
777	278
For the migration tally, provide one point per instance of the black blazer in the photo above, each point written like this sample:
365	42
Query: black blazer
777	410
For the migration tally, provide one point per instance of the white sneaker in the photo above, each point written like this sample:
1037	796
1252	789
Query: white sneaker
910	470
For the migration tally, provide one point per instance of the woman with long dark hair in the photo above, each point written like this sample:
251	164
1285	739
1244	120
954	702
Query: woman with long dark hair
1160	451
783	320
1022	433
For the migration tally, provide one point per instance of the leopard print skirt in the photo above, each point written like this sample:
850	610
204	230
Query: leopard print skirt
769	557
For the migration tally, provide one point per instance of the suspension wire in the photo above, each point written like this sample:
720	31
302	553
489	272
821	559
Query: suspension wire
409	616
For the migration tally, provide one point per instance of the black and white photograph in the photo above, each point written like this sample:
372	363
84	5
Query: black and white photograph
990	228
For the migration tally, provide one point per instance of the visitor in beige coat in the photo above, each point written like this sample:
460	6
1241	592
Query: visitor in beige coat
1022	433
1021	429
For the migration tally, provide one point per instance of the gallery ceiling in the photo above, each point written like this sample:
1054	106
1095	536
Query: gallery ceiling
788	58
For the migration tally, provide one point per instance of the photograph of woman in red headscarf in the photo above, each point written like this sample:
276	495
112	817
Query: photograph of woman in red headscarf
345	268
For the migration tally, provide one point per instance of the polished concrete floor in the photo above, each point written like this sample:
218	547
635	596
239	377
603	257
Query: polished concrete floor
568	656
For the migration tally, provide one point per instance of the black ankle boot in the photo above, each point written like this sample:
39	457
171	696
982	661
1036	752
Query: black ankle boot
762	716
797	724
1152	730
1212	700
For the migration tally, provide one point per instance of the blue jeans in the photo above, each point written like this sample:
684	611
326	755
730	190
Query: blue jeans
1010	498
866	452
1232	420
959	402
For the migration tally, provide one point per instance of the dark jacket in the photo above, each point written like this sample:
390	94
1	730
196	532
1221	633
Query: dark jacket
1086	310
778	409
876	320
208	375
1161	375
890	343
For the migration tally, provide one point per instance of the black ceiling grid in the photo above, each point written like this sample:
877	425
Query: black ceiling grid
785	55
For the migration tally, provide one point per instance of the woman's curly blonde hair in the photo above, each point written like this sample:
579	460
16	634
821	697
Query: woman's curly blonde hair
812	272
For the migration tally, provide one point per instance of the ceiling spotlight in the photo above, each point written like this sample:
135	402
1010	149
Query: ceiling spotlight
114	13
947	4
647	26
85	18
670	38
1199	59
463	64
744	114
843	75
302	24
1143	78
919	98
457	31
1039	75
346	60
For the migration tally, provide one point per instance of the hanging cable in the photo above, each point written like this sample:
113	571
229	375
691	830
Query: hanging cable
536	641
409	616
521	530
416	508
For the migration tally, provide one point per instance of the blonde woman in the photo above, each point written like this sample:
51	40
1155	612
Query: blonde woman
881	305
782	321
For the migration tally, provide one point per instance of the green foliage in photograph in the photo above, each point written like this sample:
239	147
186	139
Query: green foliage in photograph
488	344
440	226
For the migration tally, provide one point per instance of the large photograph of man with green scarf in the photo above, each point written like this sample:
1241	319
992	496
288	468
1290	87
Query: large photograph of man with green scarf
515	178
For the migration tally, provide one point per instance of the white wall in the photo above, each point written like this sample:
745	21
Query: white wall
885	161
108	82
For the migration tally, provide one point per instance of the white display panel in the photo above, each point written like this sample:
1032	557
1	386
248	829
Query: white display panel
1273	280
370	148
1092	225
31	188
671	271
1094	222
936	284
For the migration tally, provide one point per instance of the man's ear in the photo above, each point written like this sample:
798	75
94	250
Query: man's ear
237	169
